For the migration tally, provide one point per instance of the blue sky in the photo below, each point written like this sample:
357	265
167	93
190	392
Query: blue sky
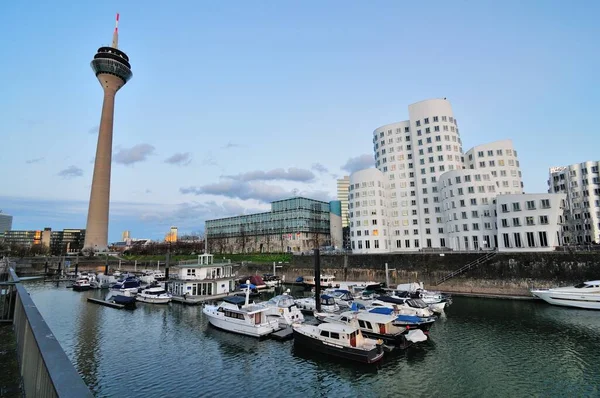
235	103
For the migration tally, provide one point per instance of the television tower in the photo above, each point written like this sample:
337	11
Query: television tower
113	70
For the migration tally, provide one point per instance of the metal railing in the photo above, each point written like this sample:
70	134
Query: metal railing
45	368
483	259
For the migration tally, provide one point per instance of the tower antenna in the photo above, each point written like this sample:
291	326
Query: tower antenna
115	43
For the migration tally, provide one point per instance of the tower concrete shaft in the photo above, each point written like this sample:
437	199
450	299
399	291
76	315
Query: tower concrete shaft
113	70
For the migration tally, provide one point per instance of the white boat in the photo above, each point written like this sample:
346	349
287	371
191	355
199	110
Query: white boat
343	298
151	276
81	284
308	304
584	295
235	314
326	281
284	309
437	301
105	281
154	295
344	341
377	326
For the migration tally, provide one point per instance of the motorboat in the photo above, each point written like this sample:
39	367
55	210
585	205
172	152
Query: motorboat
309	305
247	286
326	281
155	294
284	309
235	314
584	295
410	313
344	341
126	298
271	280
129	283
343	298
410	322
81	285
151	276
255	280
104	281
438	301
377	326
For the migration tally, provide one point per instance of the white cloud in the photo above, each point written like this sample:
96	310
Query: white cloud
135	154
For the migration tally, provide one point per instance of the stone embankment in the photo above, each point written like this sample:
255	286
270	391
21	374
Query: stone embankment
505	274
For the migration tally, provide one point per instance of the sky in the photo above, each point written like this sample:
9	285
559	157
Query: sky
235	104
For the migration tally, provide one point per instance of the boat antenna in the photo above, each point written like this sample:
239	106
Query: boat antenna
247	291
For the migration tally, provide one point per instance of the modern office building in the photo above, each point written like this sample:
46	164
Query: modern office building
581	184
343	184
5	223
425	193
293	225
58	242
112	69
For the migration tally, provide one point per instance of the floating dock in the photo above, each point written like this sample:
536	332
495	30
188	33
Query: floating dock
283	334
197	300
105	303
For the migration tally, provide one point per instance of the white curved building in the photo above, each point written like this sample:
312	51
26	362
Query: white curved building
368	207
581	184
437	196
500	160
469	209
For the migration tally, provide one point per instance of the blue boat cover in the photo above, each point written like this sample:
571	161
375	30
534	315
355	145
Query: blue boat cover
326	297
243	286
299	279
408	318
342	291
237	300
381	310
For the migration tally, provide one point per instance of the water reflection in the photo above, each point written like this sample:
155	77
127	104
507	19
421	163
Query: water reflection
488	348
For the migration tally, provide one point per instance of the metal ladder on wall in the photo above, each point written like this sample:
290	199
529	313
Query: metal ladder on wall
483	259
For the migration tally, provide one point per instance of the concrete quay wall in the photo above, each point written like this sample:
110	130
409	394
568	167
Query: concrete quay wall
505	274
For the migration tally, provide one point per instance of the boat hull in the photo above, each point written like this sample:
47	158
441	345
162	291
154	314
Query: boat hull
239	327
576	300
154	300
350	353
81	288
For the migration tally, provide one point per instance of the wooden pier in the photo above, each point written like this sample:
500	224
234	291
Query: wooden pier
105	303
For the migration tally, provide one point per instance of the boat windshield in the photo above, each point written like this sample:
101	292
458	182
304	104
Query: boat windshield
580	286
417	303
282	301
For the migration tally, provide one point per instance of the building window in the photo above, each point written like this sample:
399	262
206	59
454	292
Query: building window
516	222
530	205
398	244
407	243
545	203
376	243
516	206
416	243
505	208
517	236
505	222
530	239
367	244
360	244
506	240
543	239
529	221
543	220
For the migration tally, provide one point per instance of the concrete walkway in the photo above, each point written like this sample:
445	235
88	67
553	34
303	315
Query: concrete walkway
10	378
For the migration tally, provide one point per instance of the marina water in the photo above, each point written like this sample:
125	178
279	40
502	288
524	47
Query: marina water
480	348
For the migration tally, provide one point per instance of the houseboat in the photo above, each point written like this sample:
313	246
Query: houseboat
196	281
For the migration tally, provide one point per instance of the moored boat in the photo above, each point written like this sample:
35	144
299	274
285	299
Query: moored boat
235	314
81	285
308	304
284	309
154	295
584	295
344	341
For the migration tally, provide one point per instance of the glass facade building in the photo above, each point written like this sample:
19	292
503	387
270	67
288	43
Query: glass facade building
297	224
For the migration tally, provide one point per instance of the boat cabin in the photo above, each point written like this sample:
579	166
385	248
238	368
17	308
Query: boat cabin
202	277
234	307
340	334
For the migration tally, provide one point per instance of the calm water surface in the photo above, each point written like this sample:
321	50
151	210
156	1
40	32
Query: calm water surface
481	348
